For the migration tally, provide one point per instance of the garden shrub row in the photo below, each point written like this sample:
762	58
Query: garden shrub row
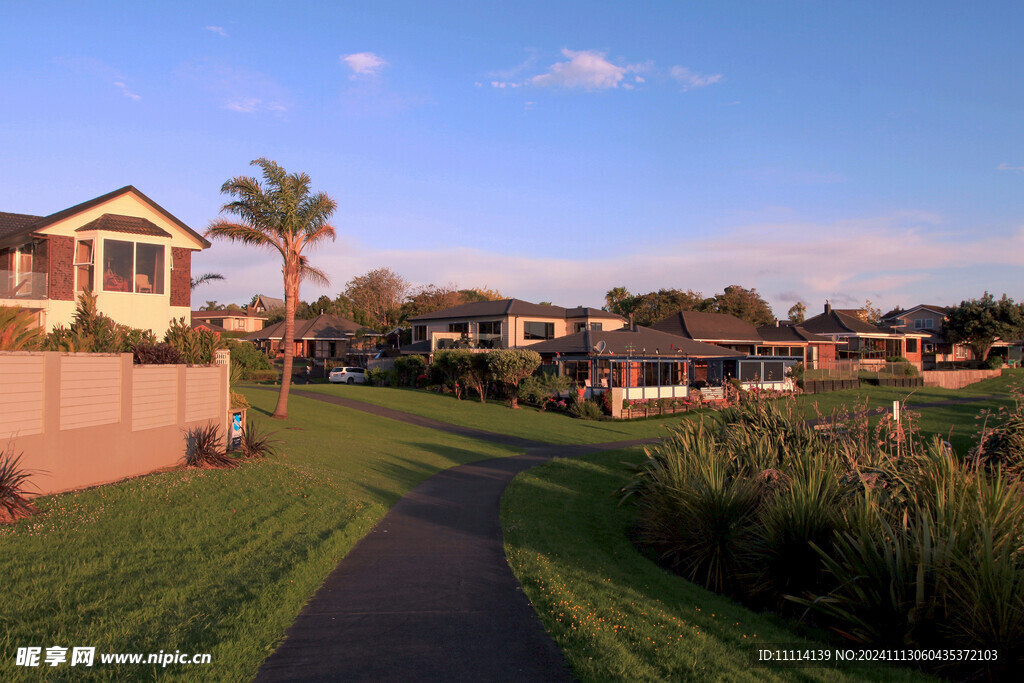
873	533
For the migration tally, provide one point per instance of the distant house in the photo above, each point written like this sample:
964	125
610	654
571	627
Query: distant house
646	363
860	340
230	320
794	341
506	323
323	337
133	254
266	304
929	320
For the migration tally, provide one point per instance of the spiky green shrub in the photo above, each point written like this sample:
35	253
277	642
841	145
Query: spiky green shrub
257	444
196	347
586	410
885	539
376	377
19	329
204	447
93	332
14	478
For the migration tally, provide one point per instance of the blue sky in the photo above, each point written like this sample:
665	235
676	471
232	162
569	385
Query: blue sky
552	151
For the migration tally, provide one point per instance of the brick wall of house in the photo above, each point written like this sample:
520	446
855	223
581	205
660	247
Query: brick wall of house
40	257
60	256
181	276
826	354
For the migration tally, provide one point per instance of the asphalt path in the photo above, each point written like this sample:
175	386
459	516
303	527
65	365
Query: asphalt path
428	593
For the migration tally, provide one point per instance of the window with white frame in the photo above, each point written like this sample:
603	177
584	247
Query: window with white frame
133	267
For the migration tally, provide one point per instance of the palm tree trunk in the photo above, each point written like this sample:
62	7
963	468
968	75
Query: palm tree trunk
291	295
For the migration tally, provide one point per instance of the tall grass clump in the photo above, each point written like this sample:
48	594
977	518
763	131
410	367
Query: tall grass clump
885	539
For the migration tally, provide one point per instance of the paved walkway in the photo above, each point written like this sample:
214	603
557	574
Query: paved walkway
428	593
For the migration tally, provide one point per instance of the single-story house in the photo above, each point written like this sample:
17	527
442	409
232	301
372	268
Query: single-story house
505	323
794	341
720	329
323	337
645	362
133	254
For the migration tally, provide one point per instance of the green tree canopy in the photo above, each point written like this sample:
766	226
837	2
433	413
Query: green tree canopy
510	367
745	304
979	322
798	313
380	293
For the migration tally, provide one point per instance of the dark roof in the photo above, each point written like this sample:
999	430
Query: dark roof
587	312
786	332
710	327
132	225
832	321
324	326
11	223
502	307
899	312
643	342
78	208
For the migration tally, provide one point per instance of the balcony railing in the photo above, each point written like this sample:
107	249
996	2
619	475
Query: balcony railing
22	285
455	340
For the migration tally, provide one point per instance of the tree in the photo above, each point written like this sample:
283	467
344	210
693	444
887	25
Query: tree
380	293
429	299
510	367
212	306
979	322
872	314
282	214
203	279
745	304
649	308
798	313
617	300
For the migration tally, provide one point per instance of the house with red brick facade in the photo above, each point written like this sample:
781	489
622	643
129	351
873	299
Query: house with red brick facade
859	340
133	254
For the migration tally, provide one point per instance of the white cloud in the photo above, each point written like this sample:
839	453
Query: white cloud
120	85
364	64
691	79
772	257
219	30
586	69
1006	167
237	89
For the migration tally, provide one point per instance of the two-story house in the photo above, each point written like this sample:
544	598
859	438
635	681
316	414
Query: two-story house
133	254
506	323
860	340
928	320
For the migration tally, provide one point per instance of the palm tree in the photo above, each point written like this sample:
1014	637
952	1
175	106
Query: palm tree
204	278
283	215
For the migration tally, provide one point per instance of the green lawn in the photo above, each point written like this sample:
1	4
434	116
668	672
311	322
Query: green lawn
527	422
956	423
209	561
616	614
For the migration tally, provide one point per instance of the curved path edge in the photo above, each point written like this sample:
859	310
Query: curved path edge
428	594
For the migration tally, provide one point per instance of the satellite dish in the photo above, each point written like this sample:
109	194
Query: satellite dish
600	347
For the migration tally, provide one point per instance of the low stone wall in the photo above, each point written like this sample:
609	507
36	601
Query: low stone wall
956	379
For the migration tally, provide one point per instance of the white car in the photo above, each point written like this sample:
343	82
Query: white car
347	375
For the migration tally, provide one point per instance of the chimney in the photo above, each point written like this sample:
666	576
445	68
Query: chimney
828	307
632	325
